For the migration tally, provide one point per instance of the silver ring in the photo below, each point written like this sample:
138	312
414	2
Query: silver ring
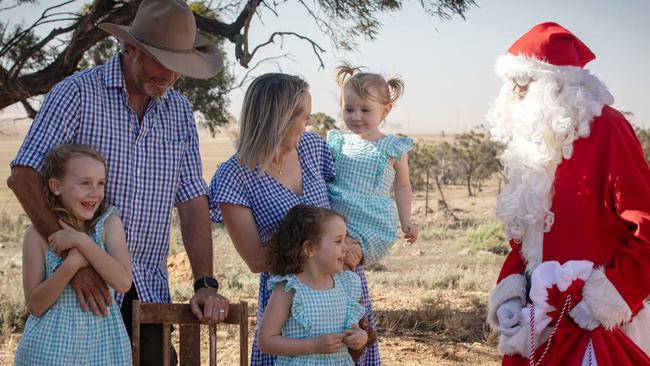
222	311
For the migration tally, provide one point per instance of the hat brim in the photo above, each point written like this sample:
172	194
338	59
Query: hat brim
202	62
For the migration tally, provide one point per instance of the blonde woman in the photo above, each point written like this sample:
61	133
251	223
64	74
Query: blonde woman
277	165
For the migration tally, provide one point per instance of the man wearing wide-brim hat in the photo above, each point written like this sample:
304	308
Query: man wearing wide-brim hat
127	110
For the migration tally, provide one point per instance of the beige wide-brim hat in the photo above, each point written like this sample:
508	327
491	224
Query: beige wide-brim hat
166	31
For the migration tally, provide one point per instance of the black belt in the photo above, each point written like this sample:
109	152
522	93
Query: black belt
527	278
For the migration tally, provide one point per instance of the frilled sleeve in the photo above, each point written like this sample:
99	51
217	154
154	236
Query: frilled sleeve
299	302
354	311
327	161
228	186
396	146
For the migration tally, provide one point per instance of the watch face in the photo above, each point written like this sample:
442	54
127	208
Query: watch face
210	282
206	282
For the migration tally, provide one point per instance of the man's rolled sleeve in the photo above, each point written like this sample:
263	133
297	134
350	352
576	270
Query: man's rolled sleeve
55	124
191	184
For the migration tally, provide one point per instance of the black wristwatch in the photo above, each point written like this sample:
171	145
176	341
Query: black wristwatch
207	282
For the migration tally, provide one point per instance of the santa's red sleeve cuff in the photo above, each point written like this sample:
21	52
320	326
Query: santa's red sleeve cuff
513	286
606	303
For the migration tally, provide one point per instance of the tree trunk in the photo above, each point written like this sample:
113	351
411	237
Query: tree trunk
442	196
31	112
426	198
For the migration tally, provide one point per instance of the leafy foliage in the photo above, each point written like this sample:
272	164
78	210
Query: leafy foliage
476	158
489	236
644	139
321	123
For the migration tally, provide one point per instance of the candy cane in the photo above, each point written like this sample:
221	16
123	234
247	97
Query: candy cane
532	361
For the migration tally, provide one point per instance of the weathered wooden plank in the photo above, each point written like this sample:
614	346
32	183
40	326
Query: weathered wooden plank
190	345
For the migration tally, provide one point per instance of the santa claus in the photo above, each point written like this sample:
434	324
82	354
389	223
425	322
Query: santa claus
576	209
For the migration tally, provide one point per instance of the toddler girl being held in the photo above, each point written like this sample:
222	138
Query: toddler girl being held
369	164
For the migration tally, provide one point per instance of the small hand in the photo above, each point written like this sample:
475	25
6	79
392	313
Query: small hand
509	316
355	338
64	239
207	305
92	292
584	316
76	259
354	254
329	343
410	232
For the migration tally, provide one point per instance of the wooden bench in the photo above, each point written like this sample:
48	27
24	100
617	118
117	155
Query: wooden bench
190	331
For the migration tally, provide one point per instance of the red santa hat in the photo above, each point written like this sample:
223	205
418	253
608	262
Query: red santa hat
547	50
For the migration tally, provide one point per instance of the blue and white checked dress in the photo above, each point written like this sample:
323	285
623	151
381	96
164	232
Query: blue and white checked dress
153	164
361	189
318	312
269	202
67	335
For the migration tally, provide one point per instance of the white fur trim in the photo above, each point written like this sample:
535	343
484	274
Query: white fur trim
547	275
518	344
639	329
523	69
605	301
509	287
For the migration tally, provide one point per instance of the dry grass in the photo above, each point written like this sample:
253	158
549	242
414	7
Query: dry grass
429	297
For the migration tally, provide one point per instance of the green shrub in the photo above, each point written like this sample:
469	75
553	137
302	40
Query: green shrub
489	236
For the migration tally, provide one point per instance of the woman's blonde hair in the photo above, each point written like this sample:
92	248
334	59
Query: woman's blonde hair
369	85
55	168
270	107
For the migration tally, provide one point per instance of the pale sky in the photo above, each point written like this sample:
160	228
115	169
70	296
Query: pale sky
447	66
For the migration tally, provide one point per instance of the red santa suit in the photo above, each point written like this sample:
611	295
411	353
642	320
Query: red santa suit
600	204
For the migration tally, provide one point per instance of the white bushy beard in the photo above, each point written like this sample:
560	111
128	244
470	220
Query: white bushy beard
538	132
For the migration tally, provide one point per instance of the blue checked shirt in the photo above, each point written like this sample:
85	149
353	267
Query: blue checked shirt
153	165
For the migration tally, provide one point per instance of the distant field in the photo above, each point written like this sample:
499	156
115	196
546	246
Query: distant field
214	150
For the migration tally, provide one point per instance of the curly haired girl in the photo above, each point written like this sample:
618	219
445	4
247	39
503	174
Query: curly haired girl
313	314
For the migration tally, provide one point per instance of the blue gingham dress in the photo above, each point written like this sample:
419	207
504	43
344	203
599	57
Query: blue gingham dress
318	312
361	189
269	202
67	335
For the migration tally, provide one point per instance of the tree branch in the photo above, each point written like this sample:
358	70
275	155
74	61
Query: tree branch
17	67
318	50
86	34
20	35
243	80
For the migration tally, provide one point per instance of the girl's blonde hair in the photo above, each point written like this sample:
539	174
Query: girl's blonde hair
55	168
270	107
369	85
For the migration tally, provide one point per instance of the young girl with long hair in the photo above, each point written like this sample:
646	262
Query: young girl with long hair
58	331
